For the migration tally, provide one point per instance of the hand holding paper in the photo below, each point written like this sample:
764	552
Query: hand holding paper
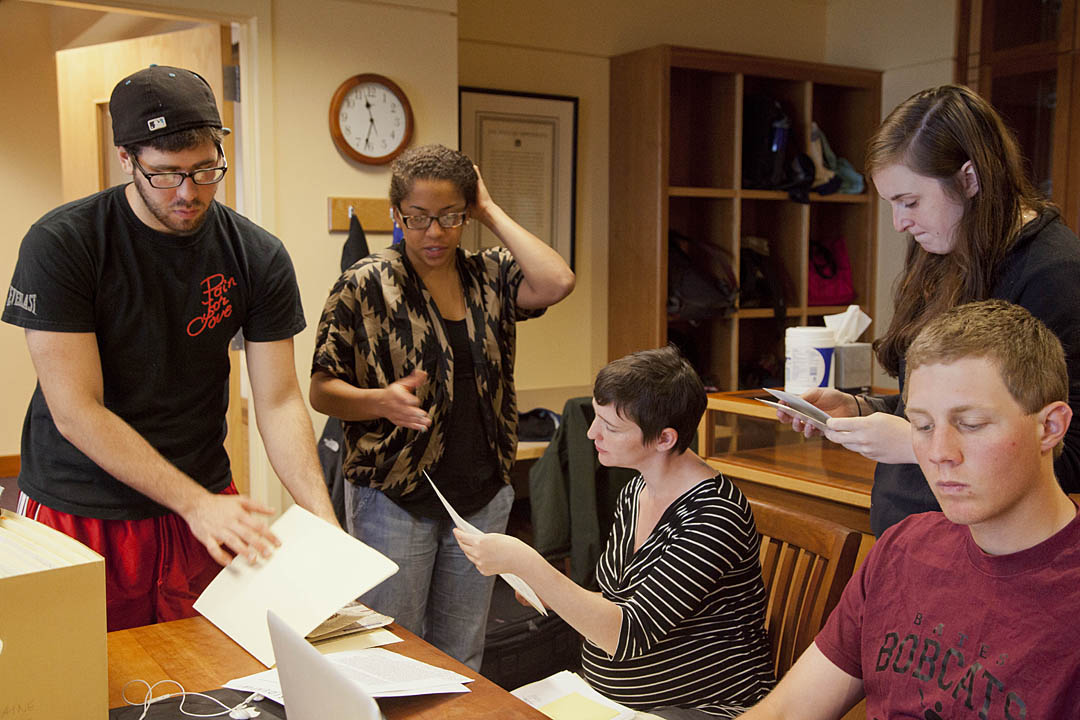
798	408
317	569
513	580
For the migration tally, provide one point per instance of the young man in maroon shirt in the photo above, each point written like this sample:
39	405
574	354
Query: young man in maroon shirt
970	612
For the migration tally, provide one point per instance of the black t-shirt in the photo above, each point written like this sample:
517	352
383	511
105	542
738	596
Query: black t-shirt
164	309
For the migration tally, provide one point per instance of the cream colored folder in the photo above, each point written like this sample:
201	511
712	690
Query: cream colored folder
317	570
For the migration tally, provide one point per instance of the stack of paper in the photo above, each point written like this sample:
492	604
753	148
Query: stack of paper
317	570
798	407
565	696
53	662
379	672
354	617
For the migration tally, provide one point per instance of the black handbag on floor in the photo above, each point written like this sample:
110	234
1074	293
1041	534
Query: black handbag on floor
523	646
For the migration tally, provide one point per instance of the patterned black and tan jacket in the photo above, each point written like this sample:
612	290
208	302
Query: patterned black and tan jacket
380	323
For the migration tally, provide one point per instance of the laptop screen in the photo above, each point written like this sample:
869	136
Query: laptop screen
313	687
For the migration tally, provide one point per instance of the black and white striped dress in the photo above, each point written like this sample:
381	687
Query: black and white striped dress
693	605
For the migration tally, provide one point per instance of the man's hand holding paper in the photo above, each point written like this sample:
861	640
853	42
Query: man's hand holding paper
316	570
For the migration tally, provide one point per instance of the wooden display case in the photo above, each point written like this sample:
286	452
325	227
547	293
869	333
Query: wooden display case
742	438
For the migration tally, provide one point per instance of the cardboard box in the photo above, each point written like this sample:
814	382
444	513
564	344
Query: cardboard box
53	656
854	364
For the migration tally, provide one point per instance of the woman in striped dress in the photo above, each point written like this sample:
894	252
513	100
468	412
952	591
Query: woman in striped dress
677	628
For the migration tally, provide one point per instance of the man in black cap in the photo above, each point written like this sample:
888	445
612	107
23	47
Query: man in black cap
129	298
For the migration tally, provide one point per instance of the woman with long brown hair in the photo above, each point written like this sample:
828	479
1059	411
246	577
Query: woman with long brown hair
977	229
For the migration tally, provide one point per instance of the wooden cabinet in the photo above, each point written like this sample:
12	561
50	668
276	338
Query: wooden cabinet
676	164
1024	57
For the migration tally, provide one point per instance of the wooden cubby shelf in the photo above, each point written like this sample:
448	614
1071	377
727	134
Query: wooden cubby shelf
676	164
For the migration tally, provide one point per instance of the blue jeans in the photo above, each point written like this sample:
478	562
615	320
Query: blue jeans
437	593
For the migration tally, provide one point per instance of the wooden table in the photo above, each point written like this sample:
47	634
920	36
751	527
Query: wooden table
199	656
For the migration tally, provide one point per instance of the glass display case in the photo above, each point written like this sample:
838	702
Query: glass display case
742	438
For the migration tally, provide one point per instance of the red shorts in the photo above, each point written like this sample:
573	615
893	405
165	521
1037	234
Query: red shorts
155	569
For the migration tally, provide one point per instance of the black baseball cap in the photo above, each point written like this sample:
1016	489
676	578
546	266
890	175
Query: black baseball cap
160	100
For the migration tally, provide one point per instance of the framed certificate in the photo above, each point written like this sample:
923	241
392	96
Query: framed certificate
525	145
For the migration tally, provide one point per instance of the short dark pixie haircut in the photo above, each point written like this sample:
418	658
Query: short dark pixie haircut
655	389
180	140
432	162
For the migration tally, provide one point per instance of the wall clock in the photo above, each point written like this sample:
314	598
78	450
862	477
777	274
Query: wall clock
371	120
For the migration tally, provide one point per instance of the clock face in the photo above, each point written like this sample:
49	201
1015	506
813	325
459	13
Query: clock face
372	117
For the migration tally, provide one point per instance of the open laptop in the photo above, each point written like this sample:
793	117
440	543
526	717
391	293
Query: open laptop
313	688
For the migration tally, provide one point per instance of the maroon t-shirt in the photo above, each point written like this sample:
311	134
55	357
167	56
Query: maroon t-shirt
937	629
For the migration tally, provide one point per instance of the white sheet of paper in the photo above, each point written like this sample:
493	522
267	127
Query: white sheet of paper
380	673
266	683
797	413
799	404
512	580
317	569
546	694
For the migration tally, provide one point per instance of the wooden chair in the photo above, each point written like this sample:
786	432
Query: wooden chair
805	562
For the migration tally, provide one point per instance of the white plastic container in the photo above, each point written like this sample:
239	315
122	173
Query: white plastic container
808	358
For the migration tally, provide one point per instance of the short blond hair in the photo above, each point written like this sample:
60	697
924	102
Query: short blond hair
1027	354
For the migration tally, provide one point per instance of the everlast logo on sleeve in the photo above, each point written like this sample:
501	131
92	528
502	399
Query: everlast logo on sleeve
22	300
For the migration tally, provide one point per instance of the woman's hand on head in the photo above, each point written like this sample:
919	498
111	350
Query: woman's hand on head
834	402
881	436
479	210
400	405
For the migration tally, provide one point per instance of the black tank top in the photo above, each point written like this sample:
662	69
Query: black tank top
468	471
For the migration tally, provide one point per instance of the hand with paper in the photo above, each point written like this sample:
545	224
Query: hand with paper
590	613
829	402
465	528
853	423
498	554
231	521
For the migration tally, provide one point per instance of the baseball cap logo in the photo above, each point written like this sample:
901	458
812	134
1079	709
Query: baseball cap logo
156	123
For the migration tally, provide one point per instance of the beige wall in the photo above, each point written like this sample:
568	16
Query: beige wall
298	51
562	48
912	43
602	28
30	181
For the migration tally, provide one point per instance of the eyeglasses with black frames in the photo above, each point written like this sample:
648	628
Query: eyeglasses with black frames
202	176
423	222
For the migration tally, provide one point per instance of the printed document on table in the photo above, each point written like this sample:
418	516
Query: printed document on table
318	569
512	580
565	696
379	672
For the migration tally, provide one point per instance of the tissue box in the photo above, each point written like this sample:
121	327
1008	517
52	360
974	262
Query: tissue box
853	366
